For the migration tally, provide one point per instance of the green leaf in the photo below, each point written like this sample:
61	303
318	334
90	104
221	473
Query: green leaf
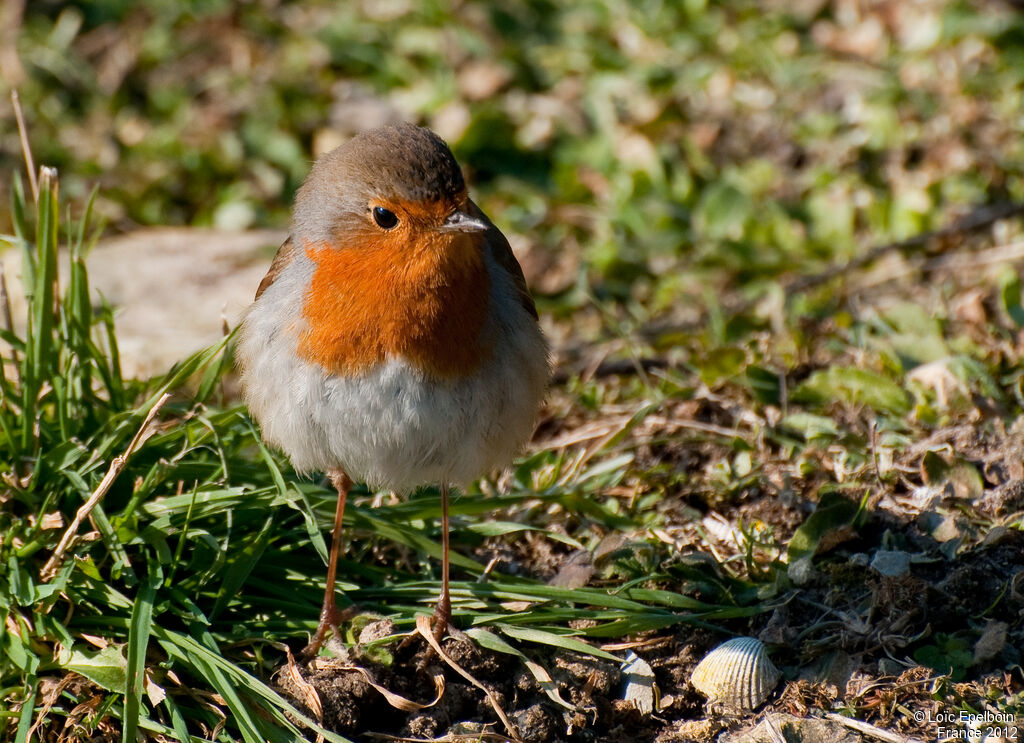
18	651
853	386
723	211
834	515
106	668
722	365
88	566
138	642
811	426
962	476
491	641
27	712
764	384
241	565
566	642
913	332
177	719
1009	296
951	654
499	528
487	639
228	679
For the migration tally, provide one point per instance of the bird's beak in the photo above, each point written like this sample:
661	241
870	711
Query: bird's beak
459	221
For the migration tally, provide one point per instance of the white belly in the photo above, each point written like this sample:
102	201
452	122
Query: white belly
392	427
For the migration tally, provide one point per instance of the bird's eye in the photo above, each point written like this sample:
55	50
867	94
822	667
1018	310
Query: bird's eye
384	218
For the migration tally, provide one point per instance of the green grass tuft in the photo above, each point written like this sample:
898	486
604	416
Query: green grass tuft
205	551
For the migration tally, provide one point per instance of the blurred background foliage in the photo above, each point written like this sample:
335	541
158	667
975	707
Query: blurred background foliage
618	141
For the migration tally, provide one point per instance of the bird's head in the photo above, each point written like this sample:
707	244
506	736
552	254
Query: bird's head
396	187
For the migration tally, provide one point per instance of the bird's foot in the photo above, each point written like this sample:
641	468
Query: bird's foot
442	617
441	623
330	618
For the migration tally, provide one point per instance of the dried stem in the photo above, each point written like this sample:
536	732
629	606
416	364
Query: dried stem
871	731
26	148
425	631
53	564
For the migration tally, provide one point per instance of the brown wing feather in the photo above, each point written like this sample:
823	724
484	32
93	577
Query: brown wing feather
506	259
285	255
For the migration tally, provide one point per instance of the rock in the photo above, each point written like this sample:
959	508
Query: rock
891	563
172	288
376	630
991	642
801	571
640	690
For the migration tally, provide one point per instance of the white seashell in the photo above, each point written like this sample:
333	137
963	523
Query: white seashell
738	675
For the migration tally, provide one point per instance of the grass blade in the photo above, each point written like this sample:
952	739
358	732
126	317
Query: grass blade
27	710
565	642
138	642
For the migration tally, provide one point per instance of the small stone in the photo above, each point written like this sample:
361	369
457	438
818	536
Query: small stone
890	667
991	642
376	630
640	690
891	563
802	572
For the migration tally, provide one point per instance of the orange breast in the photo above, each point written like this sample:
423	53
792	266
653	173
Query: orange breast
423	299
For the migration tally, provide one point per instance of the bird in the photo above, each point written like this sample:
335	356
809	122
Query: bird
393	340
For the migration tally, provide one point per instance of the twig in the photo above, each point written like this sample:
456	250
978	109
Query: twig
873	441
53	564
938	438
865	728
26	149
997	254
424	628
729	433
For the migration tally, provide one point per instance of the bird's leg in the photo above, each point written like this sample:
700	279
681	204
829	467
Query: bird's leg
328	613
443	610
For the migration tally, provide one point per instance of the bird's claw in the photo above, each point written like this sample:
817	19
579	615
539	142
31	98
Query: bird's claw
330	618
442	617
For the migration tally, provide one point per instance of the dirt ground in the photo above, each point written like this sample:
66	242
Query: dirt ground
842	640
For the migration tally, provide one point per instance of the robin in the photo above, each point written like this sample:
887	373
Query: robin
393	340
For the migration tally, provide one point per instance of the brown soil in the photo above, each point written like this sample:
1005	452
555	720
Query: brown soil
848	636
